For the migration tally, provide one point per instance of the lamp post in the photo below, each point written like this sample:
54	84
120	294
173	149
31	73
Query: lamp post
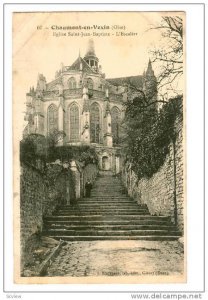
175	211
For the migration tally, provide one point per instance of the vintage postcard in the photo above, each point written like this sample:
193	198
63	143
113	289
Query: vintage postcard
99	147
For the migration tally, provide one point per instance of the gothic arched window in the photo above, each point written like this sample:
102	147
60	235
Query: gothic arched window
90	84
52	118
72	83
95	123
115	124
74	122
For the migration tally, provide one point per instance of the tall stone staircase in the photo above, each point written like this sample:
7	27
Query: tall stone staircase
109	214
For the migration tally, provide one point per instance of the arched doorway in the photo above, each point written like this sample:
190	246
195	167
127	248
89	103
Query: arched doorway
105	163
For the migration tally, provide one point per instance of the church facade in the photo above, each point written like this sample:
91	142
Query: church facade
86	106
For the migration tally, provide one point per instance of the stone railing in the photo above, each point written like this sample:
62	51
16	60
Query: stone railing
73	92
77	92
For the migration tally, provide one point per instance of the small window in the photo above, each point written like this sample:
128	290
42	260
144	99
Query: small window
90	84
52	118
74	123
115	124
72	83
95	123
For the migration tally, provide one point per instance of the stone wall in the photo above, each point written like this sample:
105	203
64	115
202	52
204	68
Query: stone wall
61	187
43	192
33	195
158	191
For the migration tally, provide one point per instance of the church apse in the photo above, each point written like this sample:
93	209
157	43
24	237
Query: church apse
85	105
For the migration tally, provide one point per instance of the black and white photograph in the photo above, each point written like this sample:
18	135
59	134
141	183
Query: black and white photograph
99	147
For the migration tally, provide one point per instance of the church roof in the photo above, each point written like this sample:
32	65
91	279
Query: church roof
136	81
90	49
150	71
85	67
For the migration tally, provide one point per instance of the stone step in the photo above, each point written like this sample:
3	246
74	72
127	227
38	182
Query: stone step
107	208
107	194
103	191
110	227
103	206
126	237
99	212
110	218
106	223
137	232
119	197
108	188
102	211
112	187
105	201
109	214
104	183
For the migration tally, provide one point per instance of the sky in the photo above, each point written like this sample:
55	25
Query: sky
39	51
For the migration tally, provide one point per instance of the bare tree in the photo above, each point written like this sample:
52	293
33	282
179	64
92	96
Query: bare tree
169	57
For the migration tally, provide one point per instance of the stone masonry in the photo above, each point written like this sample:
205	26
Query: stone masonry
158	191
42	192
33	195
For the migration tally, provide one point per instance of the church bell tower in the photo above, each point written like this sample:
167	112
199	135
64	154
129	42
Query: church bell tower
90	56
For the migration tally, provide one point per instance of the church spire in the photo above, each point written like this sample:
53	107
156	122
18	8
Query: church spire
90	48
90	56
150	83
80	62
150	71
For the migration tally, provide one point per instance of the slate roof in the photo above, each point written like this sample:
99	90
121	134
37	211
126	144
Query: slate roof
85	67
136	81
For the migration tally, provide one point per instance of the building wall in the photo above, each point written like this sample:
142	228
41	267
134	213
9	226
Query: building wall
64	114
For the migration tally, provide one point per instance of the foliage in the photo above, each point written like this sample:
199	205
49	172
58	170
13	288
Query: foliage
84	154
36	147
33	148
54	137
148	134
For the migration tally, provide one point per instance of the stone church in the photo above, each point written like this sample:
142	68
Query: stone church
85	105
